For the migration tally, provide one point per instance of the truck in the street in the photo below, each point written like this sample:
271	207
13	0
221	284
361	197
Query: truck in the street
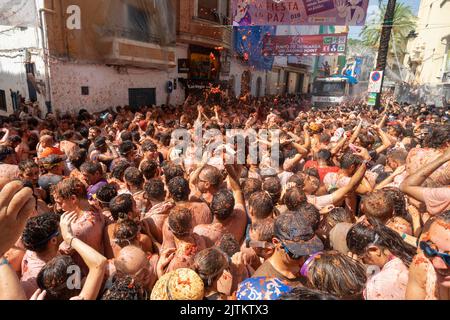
331	91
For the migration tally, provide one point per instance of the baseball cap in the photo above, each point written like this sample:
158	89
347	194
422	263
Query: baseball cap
296	234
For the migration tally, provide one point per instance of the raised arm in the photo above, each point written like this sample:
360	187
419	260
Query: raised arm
93	259
16	205
383	120
339	145
384	139
233	178
412	184
341	193
356	133
391	178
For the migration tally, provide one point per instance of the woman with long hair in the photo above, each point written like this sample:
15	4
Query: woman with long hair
385	251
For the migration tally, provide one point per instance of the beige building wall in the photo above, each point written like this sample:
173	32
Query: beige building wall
428	57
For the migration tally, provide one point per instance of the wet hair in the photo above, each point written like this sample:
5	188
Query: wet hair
335	216
361	236
39	231
378	205
272	185
294	198
133	176
303	293
264	229
366	140
313	172
27	165
67	135
349	159
310	214
297	179
84	132
399	202
154	188
398	155
124	288
91	167
180	221
149	169
324	138
78	157
148	145
324	154
228	244
126	147
172	171
179	189
262	204
106	193
337	274
209	263
164	139
70	187
5	151
212	175
125	232
438	136
14	139
119	169
54	276
126	136
250	186
120	206
222	204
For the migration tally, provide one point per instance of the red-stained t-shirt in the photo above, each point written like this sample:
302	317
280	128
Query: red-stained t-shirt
323	171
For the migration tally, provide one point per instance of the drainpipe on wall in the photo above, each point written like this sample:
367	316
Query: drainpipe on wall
48	100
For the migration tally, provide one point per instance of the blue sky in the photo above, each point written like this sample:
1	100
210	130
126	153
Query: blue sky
373	7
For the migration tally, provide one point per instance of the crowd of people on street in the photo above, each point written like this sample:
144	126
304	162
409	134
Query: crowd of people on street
265	200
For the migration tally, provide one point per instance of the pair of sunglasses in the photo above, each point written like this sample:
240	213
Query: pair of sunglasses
291	255
430	252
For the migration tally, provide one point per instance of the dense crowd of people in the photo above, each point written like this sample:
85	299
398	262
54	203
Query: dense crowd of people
347	202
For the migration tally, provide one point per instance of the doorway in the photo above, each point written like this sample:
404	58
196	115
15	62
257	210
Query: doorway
258	87
141	97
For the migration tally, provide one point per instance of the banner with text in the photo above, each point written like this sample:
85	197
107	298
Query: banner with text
299	12
307	45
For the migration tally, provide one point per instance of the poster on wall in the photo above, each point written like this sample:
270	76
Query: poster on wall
299	12
308	45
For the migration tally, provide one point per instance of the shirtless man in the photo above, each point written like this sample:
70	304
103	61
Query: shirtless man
136	263
121	207
229	213
186	243
155	194
134	181
179	192
206	181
